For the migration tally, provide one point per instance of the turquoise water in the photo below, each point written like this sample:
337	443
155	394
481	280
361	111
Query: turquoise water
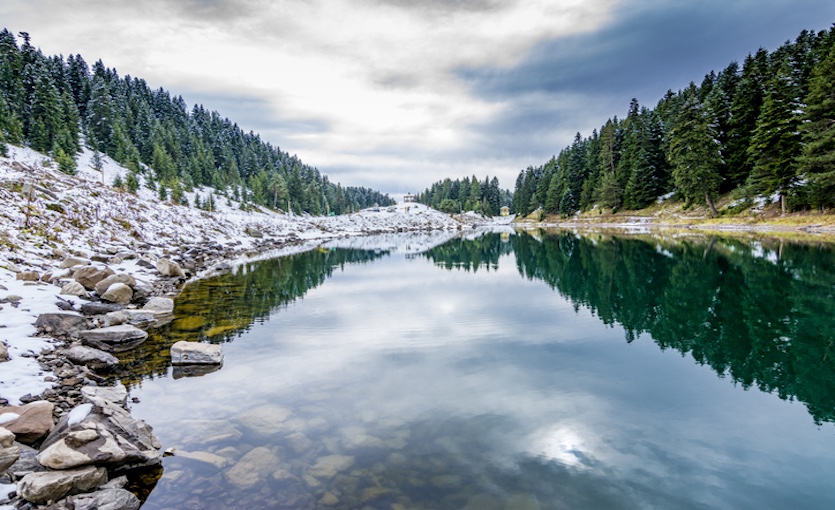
503	372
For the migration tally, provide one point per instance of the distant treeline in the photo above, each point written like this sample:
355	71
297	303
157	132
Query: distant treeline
765	129
466	194
54	105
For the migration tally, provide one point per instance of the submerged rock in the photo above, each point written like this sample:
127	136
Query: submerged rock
196	353
253	467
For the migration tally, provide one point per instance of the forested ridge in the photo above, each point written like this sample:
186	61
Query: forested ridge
762	129
54	105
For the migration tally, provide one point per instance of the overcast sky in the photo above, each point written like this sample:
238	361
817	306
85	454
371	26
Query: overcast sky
397	94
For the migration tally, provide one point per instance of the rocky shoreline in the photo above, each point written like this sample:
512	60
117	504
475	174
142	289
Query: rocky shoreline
68	447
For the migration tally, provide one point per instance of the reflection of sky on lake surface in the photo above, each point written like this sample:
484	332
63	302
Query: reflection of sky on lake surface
556	393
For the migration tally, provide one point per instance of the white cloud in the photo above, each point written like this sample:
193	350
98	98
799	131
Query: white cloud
377	75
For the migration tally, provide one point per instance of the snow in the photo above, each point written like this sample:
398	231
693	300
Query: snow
5	491
42	209
8	417
78	414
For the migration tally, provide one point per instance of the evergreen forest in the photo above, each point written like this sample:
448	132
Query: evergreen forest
762	129
54	105
466	194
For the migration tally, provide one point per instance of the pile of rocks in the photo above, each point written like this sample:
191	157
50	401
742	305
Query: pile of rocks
76	460
72	439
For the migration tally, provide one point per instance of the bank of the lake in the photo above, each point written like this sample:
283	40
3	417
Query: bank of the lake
65	237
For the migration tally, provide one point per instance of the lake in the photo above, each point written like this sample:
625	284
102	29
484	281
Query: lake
504	371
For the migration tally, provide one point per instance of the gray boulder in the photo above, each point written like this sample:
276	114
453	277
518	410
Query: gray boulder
159	306
90	357
102	395
106	499
28	276
89	276
32	421
118	293
138	318
54	485
73	289
9	453
102	286
167	267
99	308
74	261
101	434
61	324
115	334
196	353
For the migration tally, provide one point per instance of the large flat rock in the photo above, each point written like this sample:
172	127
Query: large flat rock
196	353
115	334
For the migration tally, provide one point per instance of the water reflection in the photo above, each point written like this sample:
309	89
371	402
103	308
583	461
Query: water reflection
399	385
762	313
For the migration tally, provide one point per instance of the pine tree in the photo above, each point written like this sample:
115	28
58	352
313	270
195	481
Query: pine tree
817	161
775	143
694	153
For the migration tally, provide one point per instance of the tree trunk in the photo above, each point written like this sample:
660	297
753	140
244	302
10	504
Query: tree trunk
783	202
713	211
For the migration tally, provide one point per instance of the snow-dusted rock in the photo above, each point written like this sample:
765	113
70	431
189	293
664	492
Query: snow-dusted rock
105	499
196	353
115	334
101	395
61	324
168	267
209	458
34	420
159	306
54	485
90	357
73	289
74	261
118	293
104	434
4	352
89	276
103	285
28	276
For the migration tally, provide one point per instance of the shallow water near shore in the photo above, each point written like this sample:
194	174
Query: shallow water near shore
504	372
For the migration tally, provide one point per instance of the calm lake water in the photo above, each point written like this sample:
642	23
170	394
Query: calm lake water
505	372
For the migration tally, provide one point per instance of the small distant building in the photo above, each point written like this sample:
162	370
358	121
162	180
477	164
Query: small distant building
408	198
504	211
